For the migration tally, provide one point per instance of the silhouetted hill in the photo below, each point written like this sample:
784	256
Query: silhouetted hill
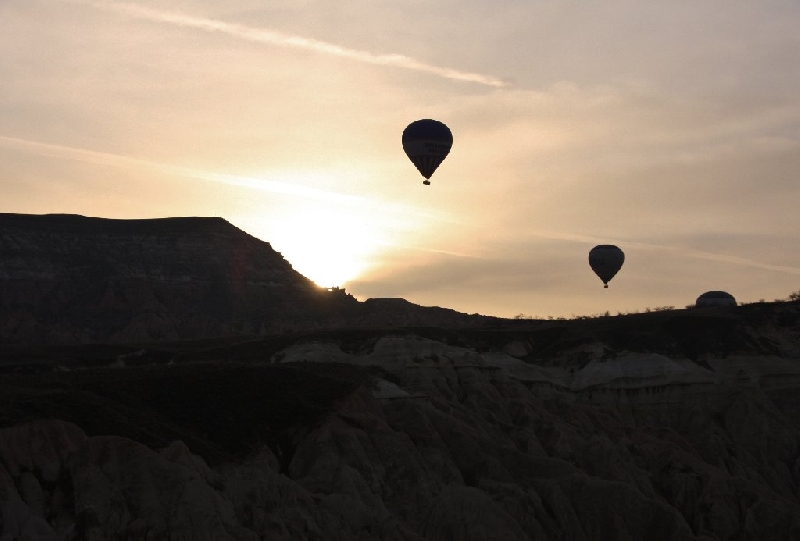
73	279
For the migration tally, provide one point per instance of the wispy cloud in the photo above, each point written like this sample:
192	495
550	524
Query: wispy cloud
254	183
722	258
287	188
117	160
281	39
686	252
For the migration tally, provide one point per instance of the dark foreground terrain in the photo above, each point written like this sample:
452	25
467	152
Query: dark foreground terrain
661	426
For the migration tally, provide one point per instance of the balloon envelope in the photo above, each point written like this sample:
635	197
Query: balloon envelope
716	298
427	142
606	260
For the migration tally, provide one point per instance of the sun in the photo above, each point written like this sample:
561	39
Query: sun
324	261
330	245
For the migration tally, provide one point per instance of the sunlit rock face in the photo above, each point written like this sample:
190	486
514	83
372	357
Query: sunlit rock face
71	279
607	429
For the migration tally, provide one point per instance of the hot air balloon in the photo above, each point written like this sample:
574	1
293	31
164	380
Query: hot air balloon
427	142
716	298
606	260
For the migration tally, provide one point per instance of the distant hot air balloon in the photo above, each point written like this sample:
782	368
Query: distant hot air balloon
606	260
427	142
716	298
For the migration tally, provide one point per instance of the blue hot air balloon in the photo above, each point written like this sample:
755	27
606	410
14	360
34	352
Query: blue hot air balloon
427	142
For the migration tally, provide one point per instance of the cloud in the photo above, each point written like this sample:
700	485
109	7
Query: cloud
116	160
676	250
551	276
259	184
281	39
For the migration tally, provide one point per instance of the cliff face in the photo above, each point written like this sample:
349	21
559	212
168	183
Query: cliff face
549	431
68	278
71	279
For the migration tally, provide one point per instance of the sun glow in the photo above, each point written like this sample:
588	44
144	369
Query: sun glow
330	246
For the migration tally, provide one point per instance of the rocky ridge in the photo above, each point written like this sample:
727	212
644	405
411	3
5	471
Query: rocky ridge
72	279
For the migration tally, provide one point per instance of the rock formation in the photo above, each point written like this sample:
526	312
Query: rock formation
71	279
298	413
601	429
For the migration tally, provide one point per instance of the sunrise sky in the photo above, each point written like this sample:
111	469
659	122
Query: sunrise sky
671	129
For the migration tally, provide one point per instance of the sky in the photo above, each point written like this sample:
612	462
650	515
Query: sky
671	129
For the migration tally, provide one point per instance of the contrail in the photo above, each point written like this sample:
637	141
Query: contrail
281	39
